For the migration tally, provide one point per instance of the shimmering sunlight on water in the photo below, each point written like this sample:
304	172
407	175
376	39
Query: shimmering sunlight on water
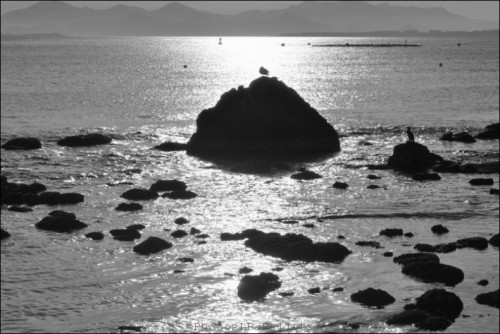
138	91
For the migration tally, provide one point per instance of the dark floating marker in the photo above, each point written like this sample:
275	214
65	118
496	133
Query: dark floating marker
440	64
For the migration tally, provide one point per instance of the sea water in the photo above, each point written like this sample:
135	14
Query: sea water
145	91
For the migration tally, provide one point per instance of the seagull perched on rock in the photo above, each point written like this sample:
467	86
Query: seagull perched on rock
263	71
411	137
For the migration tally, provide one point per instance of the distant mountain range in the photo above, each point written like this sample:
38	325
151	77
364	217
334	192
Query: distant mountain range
177	19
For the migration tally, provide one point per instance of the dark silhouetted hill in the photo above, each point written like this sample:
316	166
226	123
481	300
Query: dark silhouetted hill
176	19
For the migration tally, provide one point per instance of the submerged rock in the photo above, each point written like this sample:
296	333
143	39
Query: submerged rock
297	247
489	298
253	288
412	156
267	117
494	192
373	298
60	224
17	208
25	143
152	245
91	139
181	221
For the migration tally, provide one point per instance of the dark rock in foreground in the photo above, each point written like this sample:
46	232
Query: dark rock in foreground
463	137
259	167
412	156
430	272
408	317
373	244
139	194
171	147
17	208
56	198
91	139
95	235
409	258
179	234
4	234
127	207
426	177
297	247
267	117
152	245
61	213
240	236
340	185
442	302
168	185
22	144
481	182
478	243
137	227
489	298
181	221
392	232
494	192
434	310
494	240
125	234
373	298
491	132
60	224
253	288
439	229
440	248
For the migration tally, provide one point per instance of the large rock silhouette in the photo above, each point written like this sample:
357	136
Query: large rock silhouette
266	117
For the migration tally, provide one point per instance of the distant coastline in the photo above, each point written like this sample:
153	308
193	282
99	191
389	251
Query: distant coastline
408	33
51	35
402	34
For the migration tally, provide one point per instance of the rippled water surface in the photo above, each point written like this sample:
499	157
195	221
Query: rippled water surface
138	91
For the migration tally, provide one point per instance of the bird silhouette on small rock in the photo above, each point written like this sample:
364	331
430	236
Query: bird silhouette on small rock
411	137
263	71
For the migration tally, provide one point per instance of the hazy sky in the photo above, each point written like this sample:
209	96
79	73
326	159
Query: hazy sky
487	10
